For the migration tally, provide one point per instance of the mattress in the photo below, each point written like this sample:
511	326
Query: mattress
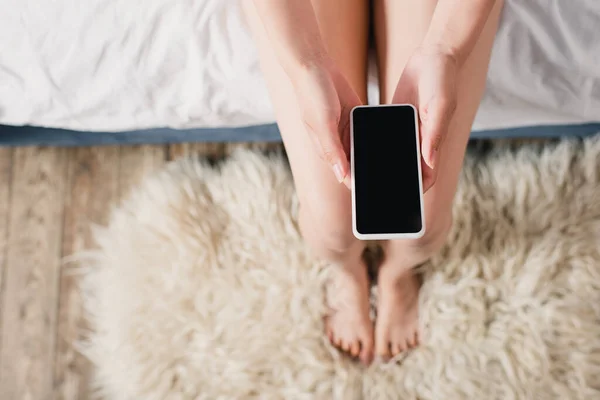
114	65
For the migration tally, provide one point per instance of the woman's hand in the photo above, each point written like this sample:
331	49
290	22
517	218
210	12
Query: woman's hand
324	96
326	99
429	82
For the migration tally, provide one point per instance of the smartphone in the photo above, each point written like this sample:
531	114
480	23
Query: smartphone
387	186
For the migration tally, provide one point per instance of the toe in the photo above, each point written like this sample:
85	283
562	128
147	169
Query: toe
366	358
411	342
366	349
413	338
337	342
355	348
396	348
384	352
382	342
329	334
345	345
366	354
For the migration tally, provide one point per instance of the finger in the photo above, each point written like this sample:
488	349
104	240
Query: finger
429	176
435	124
329	148
345	142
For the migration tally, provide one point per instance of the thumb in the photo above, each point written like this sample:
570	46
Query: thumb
331	150
436	120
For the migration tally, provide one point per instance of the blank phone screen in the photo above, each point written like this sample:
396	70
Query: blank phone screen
386	175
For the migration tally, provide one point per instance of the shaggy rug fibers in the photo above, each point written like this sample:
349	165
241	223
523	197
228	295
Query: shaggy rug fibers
201	288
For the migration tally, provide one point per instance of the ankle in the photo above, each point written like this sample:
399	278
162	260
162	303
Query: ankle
390	278
331	241
351	270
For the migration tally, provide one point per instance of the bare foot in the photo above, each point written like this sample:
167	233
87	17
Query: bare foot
349	326
396	329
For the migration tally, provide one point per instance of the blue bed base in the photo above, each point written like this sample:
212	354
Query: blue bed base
38	136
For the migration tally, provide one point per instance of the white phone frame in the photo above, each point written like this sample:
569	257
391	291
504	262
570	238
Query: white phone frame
386	236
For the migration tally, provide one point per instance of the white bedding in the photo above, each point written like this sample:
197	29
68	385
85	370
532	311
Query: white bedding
122	64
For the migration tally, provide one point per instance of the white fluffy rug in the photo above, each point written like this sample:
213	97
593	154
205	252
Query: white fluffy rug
202	288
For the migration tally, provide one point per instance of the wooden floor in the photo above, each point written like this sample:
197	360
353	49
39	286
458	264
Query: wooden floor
48	198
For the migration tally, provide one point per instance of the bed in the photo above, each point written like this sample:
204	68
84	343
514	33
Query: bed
113	72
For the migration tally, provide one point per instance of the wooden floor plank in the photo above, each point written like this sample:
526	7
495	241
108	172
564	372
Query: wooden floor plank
55	195
216	151
92	189
212	151
32	273
5	185
178	150
260	146
136	162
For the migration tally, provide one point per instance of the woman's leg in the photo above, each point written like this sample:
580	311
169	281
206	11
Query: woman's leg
325	205
400	28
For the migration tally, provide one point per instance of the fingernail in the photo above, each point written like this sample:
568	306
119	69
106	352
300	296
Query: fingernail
432	158
347	182
339	175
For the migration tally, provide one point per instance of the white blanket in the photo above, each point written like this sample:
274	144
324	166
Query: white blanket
121	64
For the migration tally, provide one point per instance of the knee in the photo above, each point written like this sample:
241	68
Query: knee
419	250
434	238
328	232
